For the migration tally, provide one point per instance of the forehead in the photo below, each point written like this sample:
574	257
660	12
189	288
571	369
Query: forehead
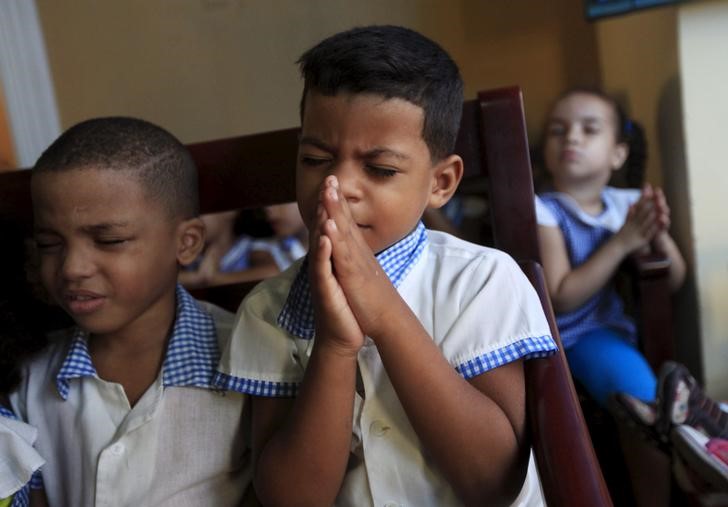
366	118
583	106
91	194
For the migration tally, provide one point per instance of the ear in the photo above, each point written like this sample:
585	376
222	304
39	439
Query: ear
619	156
446	176
190	240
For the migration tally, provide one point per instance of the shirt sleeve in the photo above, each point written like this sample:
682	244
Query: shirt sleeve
262	359
544	216
499	321
20	461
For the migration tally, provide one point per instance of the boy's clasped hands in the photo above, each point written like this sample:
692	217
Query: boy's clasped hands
352	293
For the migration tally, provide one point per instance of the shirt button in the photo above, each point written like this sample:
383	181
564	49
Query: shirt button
117	449
378	429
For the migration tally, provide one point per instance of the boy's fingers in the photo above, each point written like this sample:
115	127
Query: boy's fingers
340	248
336	205
323	274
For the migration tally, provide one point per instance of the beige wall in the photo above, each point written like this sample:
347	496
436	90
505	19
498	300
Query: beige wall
638	55
214	68
639	63
703	46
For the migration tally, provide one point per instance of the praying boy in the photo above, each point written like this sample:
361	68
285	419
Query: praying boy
386	368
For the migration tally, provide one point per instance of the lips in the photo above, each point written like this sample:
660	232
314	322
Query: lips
569	155
83	302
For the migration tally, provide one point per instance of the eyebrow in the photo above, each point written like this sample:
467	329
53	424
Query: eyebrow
374	152
104	227
91	229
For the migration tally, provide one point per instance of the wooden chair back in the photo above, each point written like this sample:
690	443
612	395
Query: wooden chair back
256	170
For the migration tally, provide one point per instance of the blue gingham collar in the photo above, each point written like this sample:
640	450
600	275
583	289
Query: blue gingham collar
397	261
190	360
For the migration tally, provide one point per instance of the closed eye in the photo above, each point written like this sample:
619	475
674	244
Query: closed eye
110	242
555	130
309	161
46	245
379	171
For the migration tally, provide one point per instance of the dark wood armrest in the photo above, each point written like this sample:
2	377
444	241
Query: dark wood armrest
650	280
651	265
569	470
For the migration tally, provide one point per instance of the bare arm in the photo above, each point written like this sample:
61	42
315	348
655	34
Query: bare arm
305	443
262	265
664	244
490	464
570	287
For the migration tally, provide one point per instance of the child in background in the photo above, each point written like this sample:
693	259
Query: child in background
124	403
386	367
586	229
232	258
290	240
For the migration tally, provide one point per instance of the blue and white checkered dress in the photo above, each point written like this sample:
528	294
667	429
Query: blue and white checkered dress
603	309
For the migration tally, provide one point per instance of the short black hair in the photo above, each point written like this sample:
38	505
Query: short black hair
394	62
160	162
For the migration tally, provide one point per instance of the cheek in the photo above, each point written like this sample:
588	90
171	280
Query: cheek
47	270
307	198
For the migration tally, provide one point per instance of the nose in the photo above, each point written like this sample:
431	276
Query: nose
76	264
348	176
573	133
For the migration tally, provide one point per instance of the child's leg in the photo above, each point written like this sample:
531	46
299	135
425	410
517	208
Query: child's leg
605	363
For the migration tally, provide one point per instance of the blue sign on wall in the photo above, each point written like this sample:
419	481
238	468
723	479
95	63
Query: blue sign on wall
601	8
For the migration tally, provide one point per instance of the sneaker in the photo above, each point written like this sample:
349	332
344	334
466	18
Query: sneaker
639	417
697	451
680	400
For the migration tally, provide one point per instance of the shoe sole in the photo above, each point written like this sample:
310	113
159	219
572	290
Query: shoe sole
689	445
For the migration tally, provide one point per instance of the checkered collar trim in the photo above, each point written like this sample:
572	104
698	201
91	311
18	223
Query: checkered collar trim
397	261
190	360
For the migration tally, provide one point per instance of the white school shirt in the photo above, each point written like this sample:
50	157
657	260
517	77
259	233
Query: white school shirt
476	304
178	446
18	458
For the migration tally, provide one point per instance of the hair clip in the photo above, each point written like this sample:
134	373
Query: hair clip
628	127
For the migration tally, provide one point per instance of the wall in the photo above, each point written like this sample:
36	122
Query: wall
639	62
215	68
703	45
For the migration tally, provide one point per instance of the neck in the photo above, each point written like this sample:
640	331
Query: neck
587	196
147	333
133	357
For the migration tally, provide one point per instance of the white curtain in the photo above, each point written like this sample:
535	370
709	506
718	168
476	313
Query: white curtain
26	80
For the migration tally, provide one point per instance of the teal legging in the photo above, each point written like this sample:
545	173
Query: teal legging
605	363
